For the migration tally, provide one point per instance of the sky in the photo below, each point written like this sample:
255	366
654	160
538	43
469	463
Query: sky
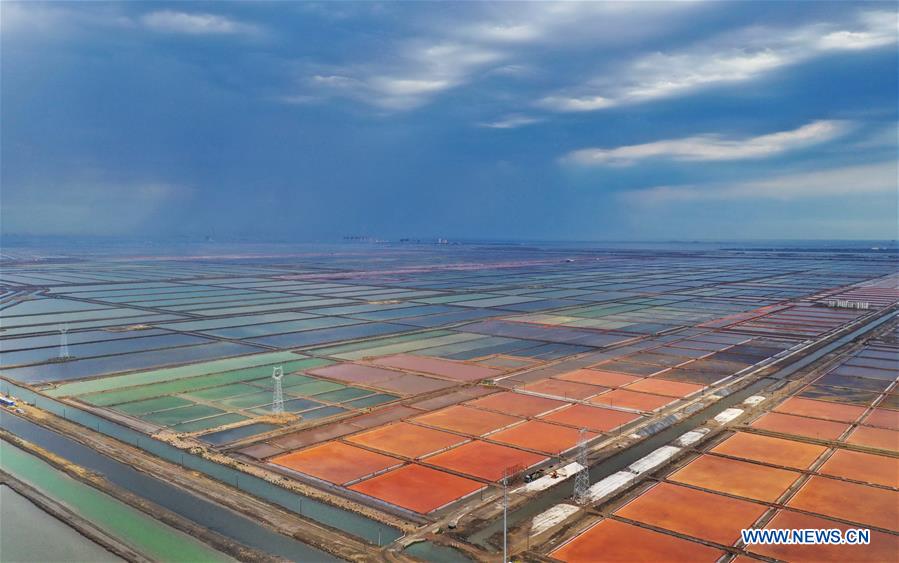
682	120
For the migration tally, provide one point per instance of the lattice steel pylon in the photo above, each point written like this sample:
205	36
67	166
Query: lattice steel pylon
582	479
505	516
64	342
278	393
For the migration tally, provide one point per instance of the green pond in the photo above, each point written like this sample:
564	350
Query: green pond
145	534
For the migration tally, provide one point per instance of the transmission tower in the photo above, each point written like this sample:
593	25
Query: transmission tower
278	393
64	342
505	516
582	479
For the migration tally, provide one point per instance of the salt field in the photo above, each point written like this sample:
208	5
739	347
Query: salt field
456	282
414	385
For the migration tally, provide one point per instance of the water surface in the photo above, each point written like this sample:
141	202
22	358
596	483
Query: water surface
25	528
143	533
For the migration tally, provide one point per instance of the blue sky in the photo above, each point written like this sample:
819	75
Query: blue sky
583	121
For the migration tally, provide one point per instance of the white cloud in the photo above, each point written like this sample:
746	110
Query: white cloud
511	122
569	23
713	147
490	40
422	72
194	23
851	181
400	87
336	81
60	18
880	29
486	40
737	57
660	75
567	103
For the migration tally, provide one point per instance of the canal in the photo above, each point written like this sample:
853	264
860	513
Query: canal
154	539
188	505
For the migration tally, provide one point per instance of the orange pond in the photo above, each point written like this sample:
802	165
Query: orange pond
801	426
665	387
591	418
611	540
336	462
417	488
699	514
411	384
880	438
517	404
406	439
598	377
883	418
484	460
632	400
849	501
883	547
564	389
767	449
820	409
467	420
739	478
868	468
540	436
444	368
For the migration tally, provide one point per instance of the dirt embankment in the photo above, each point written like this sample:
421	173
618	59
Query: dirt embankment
219	542
278	519
79	524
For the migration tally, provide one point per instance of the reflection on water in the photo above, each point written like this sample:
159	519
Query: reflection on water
152	538
205	513
26	527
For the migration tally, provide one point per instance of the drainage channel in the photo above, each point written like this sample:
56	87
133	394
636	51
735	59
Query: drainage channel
621	460
213	516
354	524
